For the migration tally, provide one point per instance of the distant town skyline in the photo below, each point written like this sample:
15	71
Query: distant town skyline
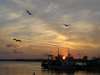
43	32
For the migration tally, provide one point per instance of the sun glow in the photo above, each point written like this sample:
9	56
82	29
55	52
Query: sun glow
63	58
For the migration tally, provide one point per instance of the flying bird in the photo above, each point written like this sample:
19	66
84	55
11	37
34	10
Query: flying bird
17	40
28	12
14	39
66	25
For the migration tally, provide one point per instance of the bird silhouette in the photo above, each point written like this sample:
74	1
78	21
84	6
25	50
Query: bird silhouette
17	40
66	25
28	12
14	39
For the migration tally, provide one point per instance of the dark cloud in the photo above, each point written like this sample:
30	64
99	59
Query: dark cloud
45	54
13	46
4	52
17	52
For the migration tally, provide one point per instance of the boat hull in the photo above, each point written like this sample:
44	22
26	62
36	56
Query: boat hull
62	67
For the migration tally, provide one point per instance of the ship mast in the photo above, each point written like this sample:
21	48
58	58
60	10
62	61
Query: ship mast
58	51
68	56
68	53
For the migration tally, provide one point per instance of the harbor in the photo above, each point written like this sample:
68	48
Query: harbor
69	63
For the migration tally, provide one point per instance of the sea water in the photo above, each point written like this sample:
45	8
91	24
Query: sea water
29	68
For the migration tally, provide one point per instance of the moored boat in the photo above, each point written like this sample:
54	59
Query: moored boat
59	62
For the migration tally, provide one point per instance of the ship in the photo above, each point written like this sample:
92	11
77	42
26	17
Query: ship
69	63
59	62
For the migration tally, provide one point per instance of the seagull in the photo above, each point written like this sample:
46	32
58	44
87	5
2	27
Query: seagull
14	39
28	12
17	40
66	25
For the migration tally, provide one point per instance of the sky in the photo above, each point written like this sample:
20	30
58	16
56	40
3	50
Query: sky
43	32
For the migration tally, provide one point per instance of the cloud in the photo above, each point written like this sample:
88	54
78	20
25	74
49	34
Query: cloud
4	52
11	46
45	54
15	15
24	3
45	27
17	52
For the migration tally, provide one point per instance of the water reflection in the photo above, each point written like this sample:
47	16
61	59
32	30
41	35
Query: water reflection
68	72
58	72
28	68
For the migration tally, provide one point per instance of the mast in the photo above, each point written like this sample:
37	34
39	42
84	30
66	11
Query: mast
58	51
68	52
68	57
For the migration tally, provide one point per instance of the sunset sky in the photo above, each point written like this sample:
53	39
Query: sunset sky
43	32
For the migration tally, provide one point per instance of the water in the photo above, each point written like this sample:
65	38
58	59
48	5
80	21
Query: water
28	68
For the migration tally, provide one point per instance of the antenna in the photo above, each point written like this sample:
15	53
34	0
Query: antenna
68	52
58	51
98	55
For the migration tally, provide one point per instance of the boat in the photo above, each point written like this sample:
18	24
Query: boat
59	62
69	63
